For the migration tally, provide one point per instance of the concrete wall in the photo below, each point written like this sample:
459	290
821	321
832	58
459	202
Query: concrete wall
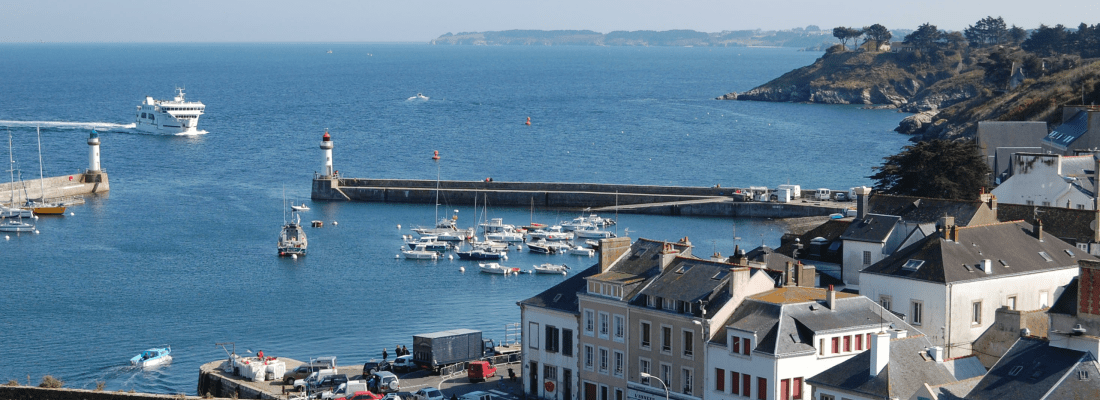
55	187
37	393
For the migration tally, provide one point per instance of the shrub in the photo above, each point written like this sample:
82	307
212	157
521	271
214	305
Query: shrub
49	381
12	382
99	385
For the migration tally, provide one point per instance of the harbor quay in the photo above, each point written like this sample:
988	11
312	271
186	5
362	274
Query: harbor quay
215	381
635	199
65	189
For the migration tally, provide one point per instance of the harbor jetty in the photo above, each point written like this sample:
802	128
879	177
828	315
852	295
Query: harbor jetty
68	189
639	199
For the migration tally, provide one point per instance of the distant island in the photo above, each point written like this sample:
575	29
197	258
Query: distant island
952	80
810	37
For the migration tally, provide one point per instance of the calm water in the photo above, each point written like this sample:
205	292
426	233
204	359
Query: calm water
182	250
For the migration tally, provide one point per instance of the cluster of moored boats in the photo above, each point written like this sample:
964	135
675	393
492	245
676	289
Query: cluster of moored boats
24	218
576	237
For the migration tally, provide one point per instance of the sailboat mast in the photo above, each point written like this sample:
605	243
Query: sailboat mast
436	190
11	169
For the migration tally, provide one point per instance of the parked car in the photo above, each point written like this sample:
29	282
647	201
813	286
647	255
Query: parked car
329	382
478	395
479	371
370	367
403	364
391	396
301	372
313	378
385	382
428	393
365	395
345	390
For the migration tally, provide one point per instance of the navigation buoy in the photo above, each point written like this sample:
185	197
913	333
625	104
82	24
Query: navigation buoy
435	155
528	121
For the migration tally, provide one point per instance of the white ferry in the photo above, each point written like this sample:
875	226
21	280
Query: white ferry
170	117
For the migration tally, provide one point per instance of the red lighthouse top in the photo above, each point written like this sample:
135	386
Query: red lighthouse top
326	138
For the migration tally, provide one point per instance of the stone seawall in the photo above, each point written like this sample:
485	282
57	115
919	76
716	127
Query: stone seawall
37	393
55	187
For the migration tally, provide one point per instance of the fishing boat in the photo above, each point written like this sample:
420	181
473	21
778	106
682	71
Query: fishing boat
430	243
548	268
495	268
481	254
419	253
171	117
41	206
152	357
592	232
292	238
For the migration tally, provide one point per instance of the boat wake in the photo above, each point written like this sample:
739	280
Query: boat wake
100	126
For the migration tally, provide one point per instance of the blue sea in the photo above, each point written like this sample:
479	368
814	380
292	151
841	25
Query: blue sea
182	250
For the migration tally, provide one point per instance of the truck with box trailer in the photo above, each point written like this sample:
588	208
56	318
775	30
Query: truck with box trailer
438	349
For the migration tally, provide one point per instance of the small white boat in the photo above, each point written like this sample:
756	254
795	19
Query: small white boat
495	268
419	253
555	232
418	97
593	233
582	251
152	357
430	243
490	245
576	223
172	117
302	207
496	230
12	212
548	268
15	225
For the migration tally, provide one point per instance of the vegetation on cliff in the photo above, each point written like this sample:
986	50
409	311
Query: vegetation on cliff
954	79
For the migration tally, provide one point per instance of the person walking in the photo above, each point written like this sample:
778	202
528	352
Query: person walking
384	354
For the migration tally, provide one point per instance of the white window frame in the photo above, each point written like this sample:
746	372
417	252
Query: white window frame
887	302
916	312
671	341
605	360
618	363
688	375
1044	299
589	357
642	335
1012	301
976	313
644	365
604	325
685	341
666	374
589	322
619	327
533	334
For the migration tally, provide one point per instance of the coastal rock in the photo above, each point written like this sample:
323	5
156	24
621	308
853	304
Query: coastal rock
916	123
939	99
727	96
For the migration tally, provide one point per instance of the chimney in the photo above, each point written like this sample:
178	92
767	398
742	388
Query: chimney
863	193
948	225
898	333
611	249
1096	198
830	298
1088	289
1037	230
797	248
987	266
937	353
738	256
739	282
990	200
880	352
807	275
668	253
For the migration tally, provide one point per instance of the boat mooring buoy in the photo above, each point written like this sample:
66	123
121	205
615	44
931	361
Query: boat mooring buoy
71	213
461	269
334	223
398	226
450	257
6	237
294	256
396	256
36	231
504	257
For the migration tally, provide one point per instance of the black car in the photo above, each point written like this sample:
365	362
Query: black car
330	382
371	367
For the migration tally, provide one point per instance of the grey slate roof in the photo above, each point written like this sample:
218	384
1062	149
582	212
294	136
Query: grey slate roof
831	231
786	319
950	261
563	296
1032	368
770	258
1069	131
908	369
875	228
928	210
690	280
640	262
1071	225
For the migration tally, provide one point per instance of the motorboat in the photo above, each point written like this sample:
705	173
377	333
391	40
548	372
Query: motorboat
495	268
169	117
548	268
490	245
151	357
575	223
419	253
539	248
582	251
302	207
446	230
497	230
292	238
430	243
593	233
418	97
481	254
592	244
555	232
15	225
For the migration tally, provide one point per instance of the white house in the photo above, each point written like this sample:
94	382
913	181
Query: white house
1050	180
776	340
949	284
550	335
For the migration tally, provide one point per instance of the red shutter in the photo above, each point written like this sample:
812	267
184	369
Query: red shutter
735	382
859	342
762	388
719	379
785	389
746	348
868	341
847	343
836	345
746	385
736	345
796	389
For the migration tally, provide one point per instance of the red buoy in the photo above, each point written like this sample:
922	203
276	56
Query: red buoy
435	155
528	121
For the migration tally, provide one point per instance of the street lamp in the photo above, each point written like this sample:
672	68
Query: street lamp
645	375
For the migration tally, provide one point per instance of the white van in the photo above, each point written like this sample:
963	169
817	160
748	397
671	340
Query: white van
823	194
478	395
345	390
796	190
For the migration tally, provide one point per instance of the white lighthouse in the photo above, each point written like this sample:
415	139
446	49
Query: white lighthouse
93	152
326	145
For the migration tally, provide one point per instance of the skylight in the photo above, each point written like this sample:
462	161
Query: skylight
721	274
684	269
1045	256
1005	264
1068	251
912	265
557	297
1016	370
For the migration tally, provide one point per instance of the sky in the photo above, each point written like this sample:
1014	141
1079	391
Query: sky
424	20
